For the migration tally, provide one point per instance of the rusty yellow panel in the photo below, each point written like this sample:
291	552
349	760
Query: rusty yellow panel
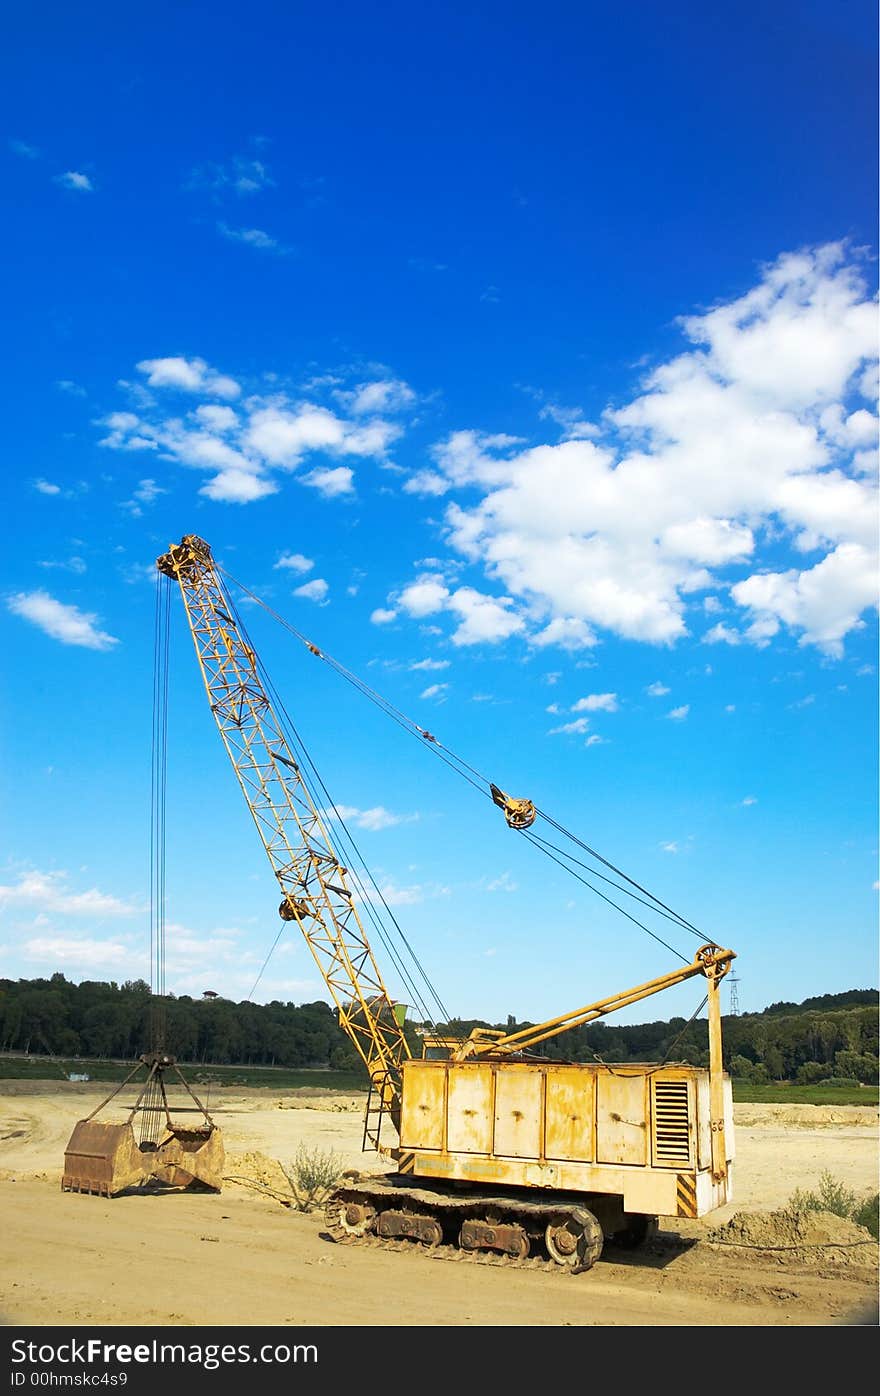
569	1118
469	1109
621	1118
423	1104
518	1093
704	1121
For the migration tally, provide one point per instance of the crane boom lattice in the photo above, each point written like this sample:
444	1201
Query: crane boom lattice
313	881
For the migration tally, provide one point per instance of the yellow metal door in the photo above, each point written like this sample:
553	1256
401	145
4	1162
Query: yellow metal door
518	1095
469	1109
569	1129
621	1119
422	1108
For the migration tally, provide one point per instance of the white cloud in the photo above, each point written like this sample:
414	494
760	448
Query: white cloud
241	449
595	740
412	895
483	619
251	237
678	714
71	564
382	395
331	482
146	493
749	800
238	487
315	590
373	819
46	487
580	724
749	443
671	847
657	690
72	179
63	622
216	419
504	883
722	634
424	597
381	616
567	632
189	375
243	175
66	385
27	152
434	690
49	893
430	664
295	562
596	702
81	953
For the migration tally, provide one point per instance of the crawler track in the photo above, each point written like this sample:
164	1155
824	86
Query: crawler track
518	1233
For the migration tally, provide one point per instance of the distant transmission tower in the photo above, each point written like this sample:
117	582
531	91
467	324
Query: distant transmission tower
734	995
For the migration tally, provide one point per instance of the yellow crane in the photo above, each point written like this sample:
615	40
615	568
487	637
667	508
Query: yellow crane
497	1150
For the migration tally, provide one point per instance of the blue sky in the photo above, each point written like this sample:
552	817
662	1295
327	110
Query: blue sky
526	360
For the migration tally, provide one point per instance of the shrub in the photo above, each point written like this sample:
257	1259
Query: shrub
834	1196
867	1214
311	1175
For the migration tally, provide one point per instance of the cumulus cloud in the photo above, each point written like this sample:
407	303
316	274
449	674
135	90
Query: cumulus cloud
679	714
188	375
244	448
315	590
46	487
49	893
757	439
657	690
579	725
381	395
72	179
480	618
63	622
596	702
295	562
383	616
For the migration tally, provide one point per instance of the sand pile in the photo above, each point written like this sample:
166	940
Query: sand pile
257	1172
804	1235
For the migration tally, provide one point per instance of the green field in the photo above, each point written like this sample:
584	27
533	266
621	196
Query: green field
784	1093
281	1078
18	1068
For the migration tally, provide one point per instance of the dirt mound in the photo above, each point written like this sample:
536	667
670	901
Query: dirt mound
806	1116
317	1101
802	1234
256	1171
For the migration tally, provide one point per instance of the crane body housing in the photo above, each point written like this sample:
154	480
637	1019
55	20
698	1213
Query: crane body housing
496	1150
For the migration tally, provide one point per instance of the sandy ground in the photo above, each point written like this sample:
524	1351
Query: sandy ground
242	1258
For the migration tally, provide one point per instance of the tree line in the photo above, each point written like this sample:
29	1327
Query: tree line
829	1037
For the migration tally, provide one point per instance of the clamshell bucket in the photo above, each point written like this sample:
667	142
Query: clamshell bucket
108	1159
